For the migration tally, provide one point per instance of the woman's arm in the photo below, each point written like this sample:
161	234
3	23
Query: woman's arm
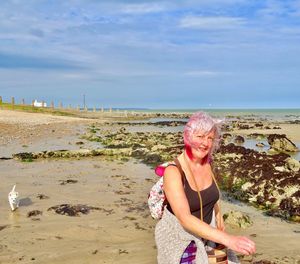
175	194
219	217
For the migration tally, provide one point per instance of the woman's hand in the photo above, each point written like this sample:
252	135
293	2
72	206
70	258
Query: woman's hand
241	244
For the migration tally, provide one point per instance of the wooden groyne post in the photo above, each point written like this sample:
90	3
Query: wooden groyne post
13	102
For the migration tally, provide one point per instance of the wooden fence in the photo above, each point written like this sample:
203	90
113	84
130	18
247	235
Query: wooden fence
60	106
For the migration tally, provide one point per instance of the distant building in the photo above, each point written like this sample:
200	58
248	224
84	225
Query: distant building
39	104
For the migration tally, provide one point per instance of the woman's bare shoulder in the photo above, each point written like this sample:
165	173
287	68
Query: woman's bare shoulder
172	171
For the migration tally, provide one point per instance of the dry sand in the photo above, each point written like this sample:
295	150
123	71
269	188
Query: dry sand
121	231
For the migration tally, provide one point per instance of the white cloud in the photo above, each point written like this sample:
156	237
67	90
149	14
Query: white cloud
204	73
142	8
211	22
131	73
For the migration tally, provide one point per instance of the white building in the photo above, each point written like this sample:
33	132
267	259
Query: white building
39	104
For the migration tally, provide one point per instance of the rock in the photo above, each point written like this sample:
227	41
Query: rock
281	143
24	156
246	186
280	168
239	139
243	126
227	136
42	196
257	136
64	182
259	125
237	219
34	213
263	261
122	130
292	164
158	147
152	158
2	227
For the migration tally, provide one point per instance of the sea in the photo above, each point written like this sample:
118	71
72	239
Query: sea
220	112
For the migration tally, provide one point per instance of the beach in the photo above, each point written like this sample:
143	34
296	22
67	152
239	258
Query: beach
115	225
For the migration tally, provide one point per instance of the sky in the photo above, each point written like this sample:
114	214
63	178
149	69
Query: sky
152	54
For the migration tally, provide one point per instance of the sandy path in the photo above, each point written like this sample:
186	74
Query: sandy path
24	118
30	132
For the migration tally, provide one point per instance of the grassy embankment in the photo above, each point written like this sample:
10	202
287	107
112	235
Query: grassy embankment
105	115
32	109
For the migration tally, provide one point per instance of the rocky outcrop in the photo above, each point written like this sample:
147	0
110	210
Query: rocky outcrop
158	123
30	156
280	143
270	182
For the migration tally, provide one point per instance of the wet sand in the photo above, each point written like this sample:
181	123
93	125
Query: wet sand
121	230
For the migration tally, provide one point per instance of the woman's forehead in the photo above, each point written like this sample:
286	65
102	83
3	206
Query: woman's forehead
204	133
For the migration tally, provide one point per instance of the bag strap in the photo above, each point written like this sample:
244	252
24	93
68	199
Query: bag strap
178	165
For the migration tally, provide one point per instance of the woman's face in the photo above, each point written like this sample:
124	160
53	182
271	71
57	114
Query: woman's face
202	143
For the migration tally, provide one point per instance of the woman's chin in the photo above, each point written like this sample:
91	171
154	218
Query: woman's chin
200	154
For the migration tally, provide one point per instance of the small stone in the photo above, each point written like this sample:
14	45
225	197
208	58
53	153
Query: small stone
42	196
292	164
237	219
34	213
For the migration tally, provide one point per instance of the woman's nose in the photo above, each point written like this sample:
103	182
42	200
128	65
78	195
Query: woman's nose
206	141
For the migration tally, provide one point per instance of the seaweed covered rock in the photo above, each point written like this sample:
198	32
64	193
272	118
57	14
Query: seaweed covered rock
279	142
239	139
72	210
237	219
292	164
260	179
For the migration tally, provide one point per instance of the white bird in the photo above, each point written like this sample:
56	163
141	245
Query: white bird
13	198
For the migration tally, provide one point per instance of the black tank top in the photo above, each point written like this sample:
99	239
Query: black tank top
209	196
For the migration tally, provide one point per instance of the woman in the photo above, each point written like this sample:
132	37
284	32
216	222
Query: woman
186	223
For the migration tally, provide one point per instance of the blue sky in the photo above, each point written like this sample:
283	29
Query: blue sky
153	54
